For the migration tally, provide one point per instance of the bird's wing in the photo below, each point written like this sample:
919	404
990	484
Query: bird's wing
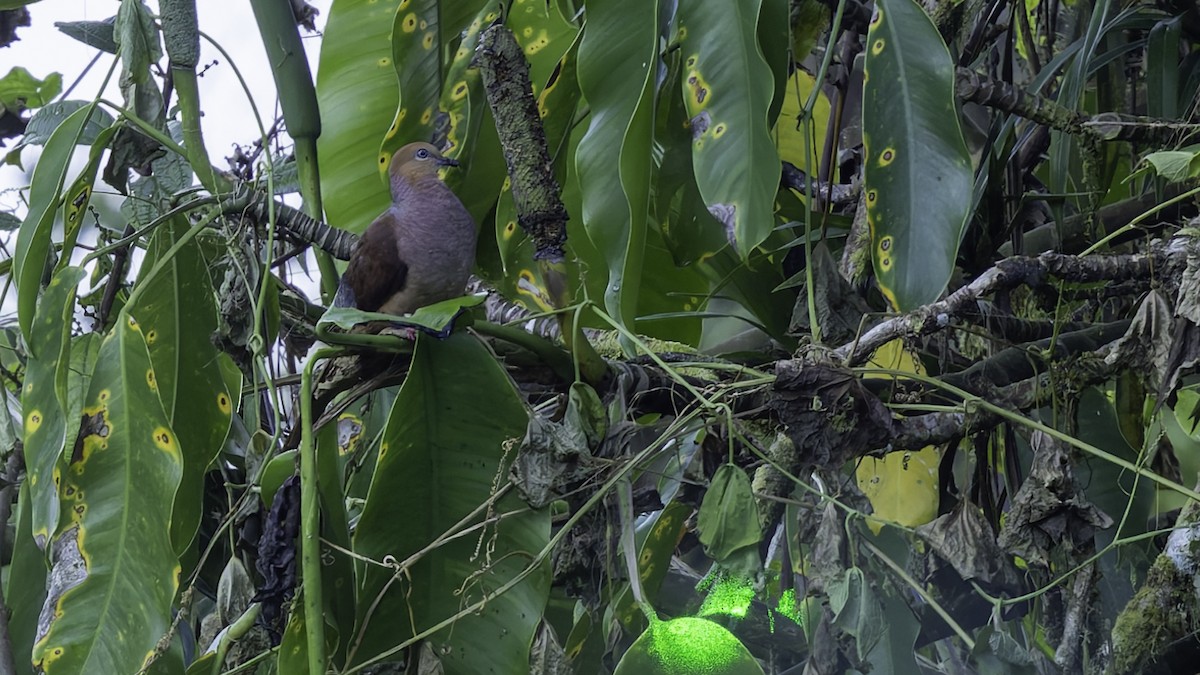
376	271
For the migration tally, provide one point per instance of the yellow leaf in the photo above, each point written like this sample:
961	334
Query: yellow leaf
902	486
788	138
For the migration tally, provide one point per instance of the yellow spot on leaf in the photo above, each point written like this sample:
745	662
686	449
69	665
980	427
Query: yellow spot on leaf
426	116
887	156
385	62
877	47
719	130
164	441
458	92
696	94
528	30
33	421
223	403
427	41
537	45
150	380
409	24
528	286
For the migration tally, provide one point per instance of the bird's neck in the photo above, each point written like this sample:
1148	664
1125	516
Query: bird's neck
405	187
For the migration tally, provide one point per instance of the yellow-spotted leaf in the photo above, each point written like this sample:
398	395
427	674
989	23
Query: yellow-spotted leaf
112	557
656	545
79	193
917	172
728	87
177	312
357	94
903	485
544	35
466	121
44	401
416	56
33	239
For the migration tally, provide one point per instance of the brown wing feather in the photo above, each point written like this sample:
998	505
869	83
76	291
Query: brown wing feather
376	271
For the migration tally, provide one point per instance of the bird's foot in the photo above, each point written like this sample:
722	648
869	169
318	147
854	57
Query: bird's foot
403	332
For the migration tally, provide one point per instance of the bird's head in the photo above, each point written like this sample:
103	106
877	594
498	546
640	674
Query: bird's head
415	162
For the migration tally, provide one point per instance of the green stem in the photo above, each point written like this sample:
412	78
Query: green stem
193	138
310	521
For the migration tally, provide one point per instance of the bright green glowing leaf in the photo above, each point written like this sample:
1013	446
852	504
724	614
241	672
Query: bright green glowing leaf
687	646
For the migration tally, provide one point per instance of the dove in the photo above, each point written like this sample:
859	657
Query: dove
420	250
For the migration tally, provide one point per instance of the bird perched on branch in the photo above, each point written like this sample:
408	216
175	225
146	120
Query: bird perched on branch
420	250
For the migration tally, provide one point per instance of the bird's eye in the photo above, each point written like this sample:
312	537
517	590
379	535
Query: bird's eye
422	154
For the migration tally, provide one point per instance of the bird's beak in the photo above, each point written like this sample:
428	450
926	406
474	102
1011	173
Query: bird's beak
446	161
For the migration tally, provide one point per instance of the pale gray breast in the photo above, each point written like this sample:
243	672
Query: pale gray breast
437	242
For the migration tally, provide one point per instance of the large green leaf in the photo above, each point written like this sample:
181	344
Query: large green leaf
116	573
439	459
79	193
416	57
689	230
33	240
178	313
357	93
367	49
617	61
728	87
26	588
917	171
471	135
544	35
774	38
44	402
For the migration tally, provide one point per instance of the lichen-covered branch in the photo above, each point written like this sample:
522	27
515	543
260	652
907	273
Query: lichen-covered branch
1164	260
540	211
